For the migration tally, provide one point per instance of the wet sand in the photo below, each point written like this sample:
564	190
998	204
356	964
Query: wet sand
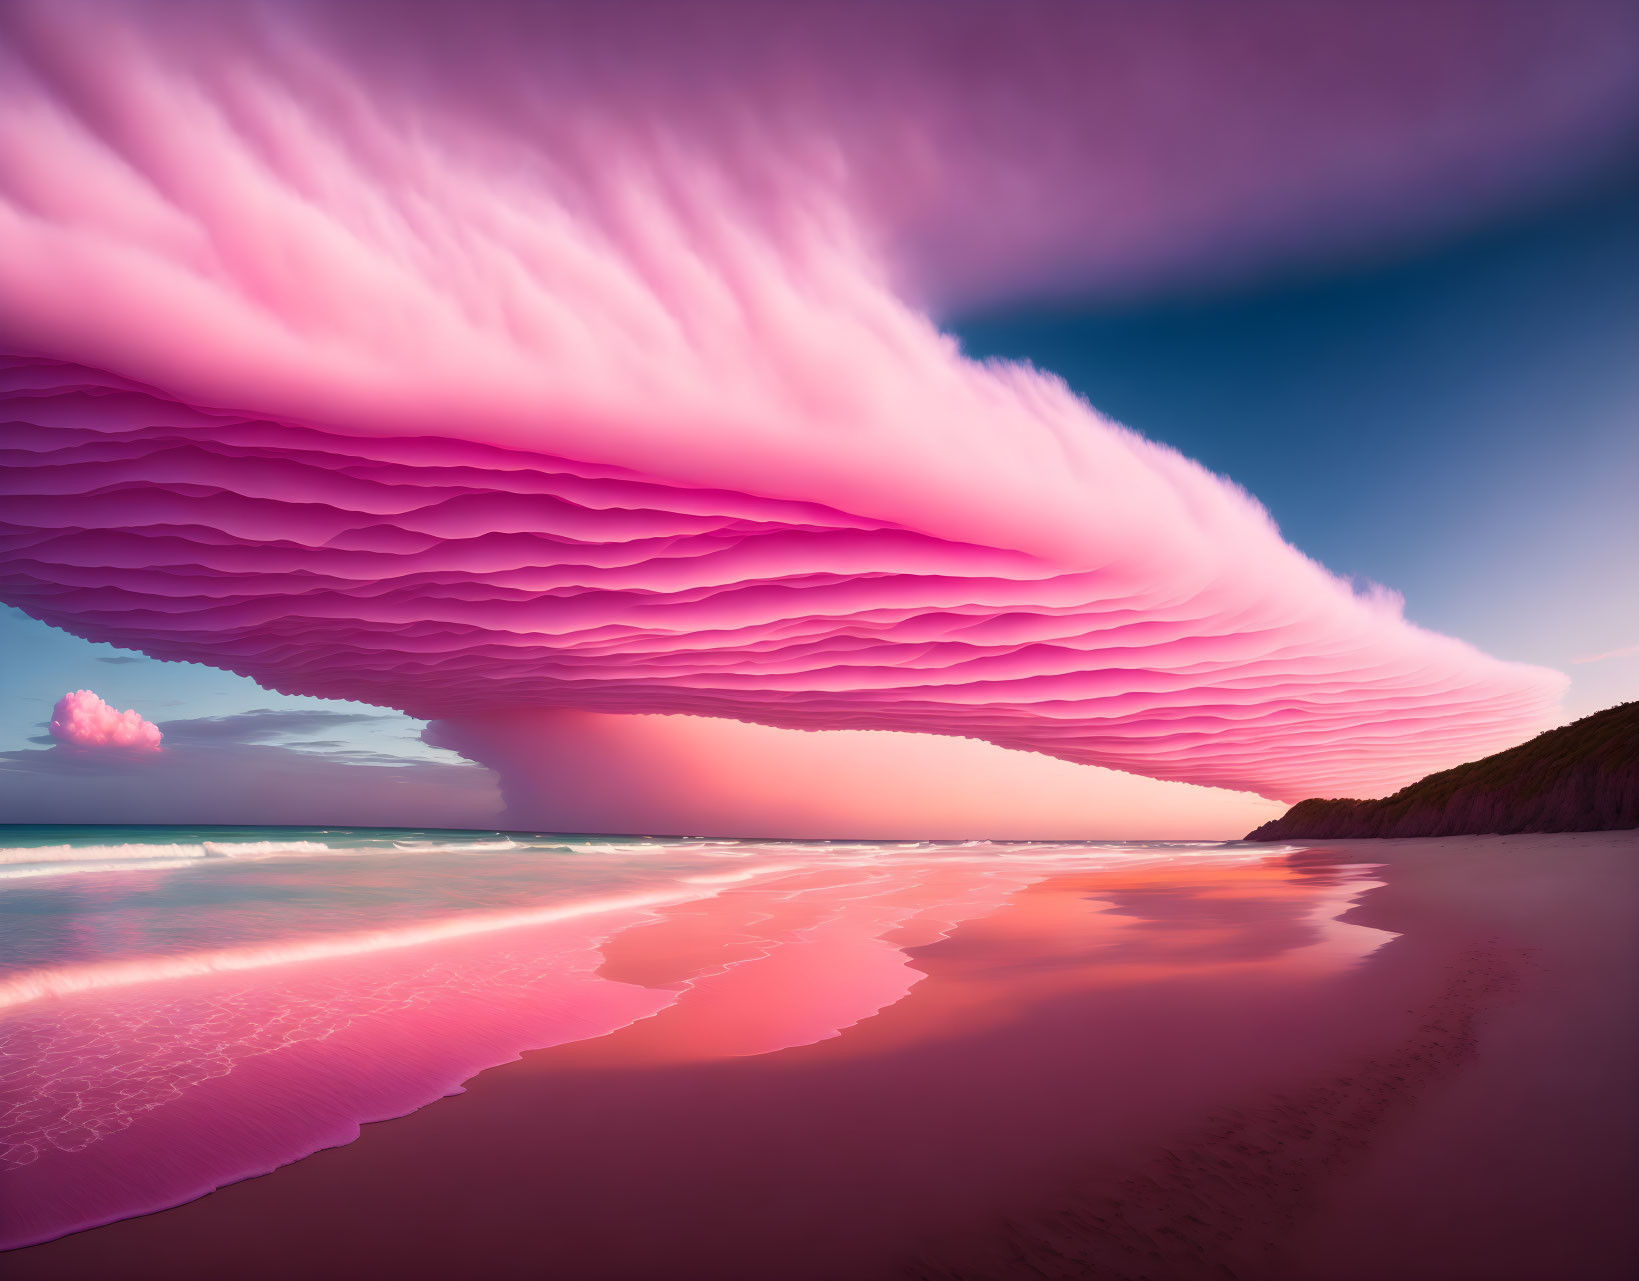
1178	1097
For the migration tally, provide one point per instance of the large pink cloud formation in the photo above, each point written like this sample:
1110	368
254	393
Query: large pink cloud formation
82	720
486	361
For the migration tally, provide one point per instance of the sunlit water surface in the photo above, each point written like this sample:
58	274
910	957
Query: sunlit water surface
180	1008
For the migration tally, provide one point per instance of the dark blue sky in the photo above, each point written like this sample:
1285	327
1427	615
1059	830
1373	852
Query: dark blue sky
1461	424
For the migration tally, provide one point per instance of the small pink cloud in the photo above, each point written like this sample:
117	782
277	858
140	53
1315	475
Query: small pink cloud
81	719
1624	652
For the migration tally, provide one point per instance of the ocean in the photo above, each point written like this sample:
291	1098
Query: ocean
184	1007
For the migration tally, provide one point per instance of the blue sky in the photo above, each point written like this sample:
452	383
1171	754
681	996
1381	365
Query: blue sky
43	663
1460	425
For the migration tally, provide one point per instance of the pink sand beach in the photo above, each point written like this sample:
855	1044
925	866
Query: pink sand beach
1233	1068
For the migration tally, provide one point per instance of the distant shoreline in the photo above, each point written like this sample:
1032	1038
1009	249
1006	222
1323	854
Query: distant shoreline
624	836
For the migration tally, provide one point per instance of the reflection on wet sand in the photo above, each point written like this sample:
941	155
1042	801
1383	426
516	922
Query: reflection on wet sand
130	1084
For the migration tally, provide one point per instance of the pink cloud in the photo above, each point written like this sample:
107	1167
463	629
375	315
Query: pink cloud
493	368
1625	652
1176	637
82	720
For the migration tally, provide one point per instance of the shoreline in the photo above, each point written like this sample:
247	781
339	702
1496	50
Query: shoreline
975	1130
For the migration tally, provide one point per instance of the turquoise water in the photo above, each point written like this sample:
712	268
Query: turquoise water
76	895
72	895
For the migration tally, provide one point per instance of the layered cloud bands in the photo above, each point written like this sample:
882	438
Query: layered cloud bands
540	364
462	581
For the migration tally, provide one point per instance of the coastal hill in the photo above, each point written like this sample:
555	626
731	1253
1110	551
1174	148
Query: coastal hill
1581	777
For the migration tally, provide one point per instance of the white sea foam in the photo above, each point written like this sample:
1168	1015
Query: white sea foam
142	850
25	871
95	853
257	849
24	861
